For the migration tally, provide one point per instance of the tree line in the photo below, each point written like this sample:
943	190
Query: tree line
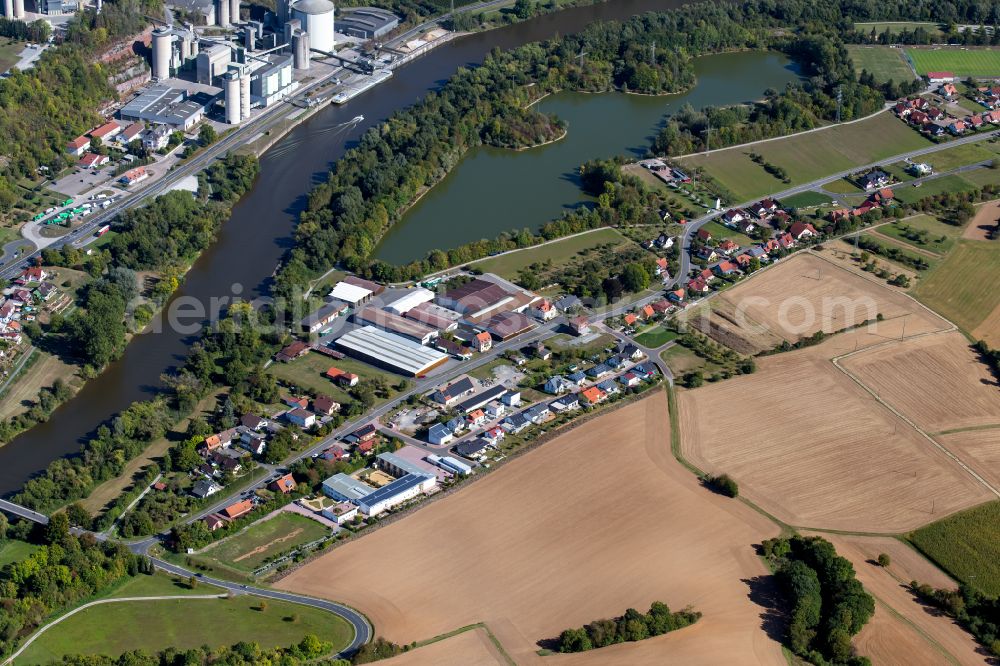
978	613
828	603
632	626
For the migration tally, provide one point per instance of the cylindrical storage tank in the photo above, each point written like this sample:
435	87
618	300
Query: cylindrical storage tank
8	8
99	5
300	50
317	19
19	9
245	95
222	13
233	104
234	11
185	46
162	39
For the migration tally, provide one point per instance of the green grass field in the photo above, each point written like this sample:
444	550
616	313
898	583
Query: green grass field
957	156
655	337
966	545
960	61
963	287
263	540
809	156
9	53
940	236
681	360
559	252
842	186
908	194
12	551
806	200
882	62
307	372
153	625
981	177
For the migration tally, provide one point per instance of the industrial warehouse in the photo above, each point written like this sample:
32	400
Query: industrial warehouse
391	351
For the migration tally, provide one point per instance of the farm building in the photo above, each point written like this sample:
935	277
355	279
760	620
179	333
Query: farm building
388	350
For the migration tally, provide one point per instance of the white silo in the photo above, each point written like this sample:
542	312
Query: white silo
317	19
234	11
8	8
245	95
222	13
233	105
300	50
162	46
19	9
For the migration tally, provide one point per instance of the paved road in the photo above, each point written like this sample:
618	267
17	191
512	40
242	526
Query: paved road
362	628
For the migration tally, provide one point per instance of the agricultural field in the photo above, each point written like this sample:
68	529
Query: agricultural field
936	381
978	448
962	62
985	222
308	373
963	289
895	27
468	648
882	62
525	567
183	624
262	540
558	252
961	155
902	632
953	182
808	156
923	232
966	545
816	451
798	297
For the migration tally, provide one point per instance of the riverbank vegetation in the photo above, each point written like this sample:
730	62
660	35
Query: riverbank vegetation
828	603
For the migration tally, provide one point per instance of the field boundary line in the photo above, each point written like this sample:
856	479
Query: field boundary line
42	630
836	362
467	628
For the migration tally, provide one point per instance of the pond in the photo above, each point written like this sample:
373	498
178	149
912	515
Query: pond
494	190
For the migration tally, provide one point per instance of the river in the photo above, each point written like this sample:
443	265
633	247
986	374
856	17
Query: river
259	232
477	198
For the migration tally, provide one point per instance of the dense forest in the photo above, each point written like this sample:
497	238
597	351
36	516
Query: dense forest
828	604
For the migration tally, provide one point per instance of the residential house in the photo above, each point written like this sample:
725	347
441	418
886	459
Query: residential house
580	326
661	265
704	235
538	414
452	393
32	274
569	303
157	138
557	385
515	423
544	310
598	371
732	217
456	425
957	127
472	448
301	417
610	387
106	132
78	146
255	445
631	352
746	225
874	179
482	342
565	404
630	379
494	435
661	306
494	410
214	521
284	484
727	247
647	312
253	422
205	488
325	405
93	160
707	253
726	268
765	208
940	77
540	351
677	296
342	377
743	261
786	241
294	402
592	395
130	133
292	351
237	509
458	350
334	453
948	91
511	398
630	319
366	433
800	230
476	418
577	377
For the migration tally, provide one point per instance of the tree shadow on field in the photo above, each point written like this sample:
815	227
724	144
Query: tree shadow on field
765	593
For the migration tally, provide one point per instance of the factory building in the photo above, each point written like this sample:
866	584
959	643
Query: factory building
393	323
387	350
273	81
203	8
213	62
315	18
373	501
409	300
173	48
367	22
163	105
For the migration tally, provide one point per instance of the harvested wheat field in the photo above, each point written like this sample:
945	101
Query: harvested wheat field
903	631
594	522
812	447
986	219
799	296
989	329
937	381
979	449
470	648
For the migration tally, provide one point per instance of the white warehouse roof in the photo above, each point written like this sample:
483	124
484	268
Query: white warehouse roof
350	293
390	349
411	299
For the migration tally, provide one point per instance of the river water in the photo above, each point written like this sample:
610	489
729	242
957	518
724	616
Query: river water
494	190
252	242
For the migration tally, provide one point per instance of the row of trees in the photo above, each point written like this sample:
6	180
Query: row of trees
828	603
978	613
632	626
